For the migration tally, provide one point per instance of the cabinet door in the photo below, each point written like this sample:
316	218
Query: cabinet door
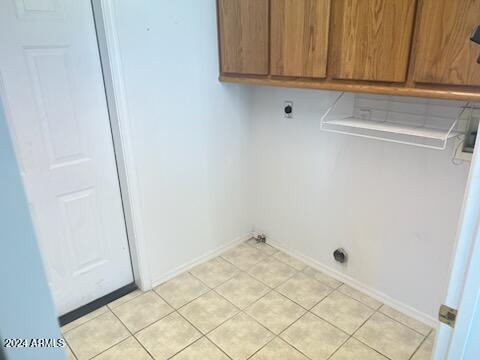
444	52
243	36
371	39
299	37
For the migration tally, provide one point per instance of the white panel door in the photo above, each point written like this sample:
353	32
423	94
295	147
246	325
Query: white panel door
55	102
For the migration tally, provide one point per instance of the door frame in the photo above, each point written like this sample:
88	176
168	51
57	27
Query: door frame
115	92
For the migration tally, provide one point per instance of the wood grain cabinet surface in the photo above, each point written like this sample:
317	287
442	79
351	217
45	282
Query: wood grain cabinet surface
243	36
371	39
299	37
395	47
445	54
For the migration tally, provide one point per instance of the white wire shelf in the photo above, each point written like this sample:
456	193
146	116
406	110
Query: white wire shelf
383	126
341	120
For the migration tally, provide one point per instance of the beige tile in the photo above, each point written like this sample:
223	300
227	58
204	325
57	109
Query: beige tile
83	319
181	290
168	336
275	312
406	320
95	336
142	311
208	311
244	256
240	337
214	272
125	298
272	272
290	260
263	247
389	337
128	349
314	337
425	351
201	349
355	350
323	278
343	311
304	290
69	353
242	290
360	296
278	349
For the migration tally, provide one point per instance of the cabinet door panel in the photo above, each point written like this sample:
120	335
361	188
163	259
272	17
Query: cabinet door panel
299	35
243	36
371	39
444	52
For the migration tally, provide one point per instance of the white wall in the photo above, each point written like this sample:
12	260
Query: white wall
393	207
189	132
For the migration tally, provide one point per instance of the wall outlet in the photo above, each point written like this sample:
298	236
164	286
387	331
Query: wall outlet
288	109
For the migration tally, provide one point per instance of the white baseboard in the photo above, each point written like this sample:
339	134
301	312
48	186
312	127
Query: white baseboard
403	308
205	257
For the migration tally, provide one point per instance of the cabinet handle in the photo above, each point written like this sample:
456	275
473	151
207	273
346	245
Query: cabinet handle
476	35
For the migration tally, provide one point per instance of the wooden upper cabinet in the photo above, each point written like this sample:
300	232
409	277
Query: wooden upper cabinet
299	37
444	52
243	36
371	39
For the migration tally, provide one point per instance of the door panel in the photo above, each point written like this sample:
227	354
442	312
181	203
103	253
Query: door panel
243	36
371	39
55	100
299	35
49	70
444	52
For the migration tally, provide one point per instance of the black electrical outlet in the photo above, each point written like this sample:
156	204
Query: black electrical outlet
288	109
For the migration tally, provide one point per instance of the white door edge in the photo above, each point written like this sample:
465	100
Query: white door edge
120	123
464	284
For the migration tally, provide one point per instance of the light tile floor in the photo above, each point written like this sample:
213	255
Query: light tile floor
252	302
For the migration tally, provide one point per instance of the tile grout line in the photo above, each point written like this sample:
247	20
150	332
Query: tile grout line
336	350
127	301
73	352
391	318
279	338
204	335
217	326
220	284
108	309
270	289
143	328
376	310
76	326
348	295
333	290
353	334
289	326
418	348
132	335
